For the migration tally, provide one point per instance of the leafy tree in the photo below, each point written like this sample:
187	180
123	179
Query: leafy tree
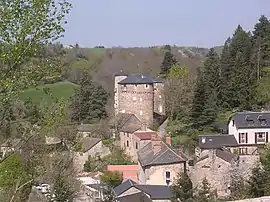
205	194
89	101
256	182
182	189
168	61
238	187
113	179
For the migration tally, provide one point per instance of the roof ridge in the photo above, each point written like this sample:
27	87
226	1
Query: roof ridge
172	150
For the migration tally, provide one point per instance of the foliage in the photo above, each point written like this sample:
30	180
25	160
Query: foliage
238	188
182	189
205	194
89	102
168	61
113	179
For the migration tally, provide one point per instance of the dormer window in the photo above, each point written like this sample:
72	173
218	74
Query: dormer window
262	120
249	120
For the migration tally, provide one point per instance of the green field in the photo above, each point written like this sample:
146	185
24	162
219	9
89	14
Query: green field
58	90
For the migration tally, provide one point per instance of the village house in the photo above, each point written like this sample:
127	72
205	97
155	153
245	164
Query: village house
92	147
251	131
159	163
155	193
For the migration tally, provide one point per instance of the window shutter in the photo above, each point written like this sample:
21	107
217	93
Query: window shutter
255	138
246	137
239	138
266	137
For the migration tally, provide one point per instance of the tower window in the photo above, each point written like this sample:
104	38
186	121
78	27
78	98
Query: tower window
134	98
136	146
140	112
127	143
140	99
160	109
146	86
159	96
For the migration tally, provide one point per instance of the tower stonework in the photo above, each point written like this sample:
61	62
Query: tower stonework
159	98
117	78
139	95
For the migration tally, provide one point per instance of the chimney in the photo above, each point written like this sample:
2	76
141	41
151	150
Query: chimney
168	139
156	143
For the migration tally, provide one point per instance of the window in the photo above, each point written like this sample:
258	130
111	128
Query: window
243	151
233	123
140	99
159	96
160	108
168	178
123	111
134	99
127	143
140	112
115	90
260	137
242	137
127	134
125	87
146	86
136	146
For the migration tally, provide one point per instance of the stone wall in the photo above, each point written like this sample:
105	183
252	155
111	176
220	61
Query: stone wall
215	170
261	199
117	91
159	101
156	175
138	100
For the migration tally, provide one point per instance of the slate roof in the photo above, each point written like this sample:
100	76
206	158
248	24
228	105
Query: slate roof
128	123
124	186
89	142
144	135
139	79
166	155
216	141
225	155
252	119
154	191
138	197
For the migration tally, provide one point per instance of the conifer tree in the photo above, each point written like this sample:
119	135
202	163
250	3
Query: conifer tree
206	93
168	61
182	189
241	86
89	101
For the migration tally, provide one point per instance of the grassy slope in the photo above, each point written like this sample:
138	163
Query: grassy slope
59	90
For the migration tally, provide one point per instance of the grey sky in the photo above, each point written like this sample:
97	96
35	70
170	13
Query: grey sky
202	23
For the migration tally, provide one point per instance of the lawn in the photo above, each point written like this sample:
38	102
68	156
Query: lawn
58	90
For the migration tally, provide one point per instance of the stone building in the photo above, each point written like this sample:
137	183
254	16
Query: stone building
140	95
159	163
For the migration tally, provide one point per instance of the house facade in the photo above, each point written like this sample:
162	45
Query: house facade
159	163
251	130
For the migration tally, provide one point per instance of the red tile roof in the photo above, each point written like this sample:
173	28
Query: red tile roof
128	171
145	135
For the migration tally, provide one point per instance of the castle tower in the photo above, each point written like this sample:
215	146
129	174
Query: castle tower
136	96
159	98
117	78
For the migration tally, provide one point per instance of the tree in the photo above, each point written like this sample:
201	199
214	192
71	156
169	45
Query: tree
206	93
256	182
205	194
88	104
112	179
182	189
178	92
26	28
168	61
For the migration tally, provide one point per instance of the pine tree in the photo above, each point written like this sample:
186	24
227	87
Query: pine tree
89	101
168	61
241	85
205	194
261	45
206	93
225	77
182	189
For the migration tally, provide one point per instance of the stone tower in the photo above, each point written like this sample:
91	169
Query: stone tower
140	95
117	78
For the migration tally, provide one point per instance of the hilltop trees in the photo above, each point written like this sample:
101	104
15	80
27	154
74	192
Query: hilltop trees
89	101
168	61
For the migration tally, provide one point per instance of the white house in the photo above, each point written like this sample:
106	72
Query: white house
250	130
